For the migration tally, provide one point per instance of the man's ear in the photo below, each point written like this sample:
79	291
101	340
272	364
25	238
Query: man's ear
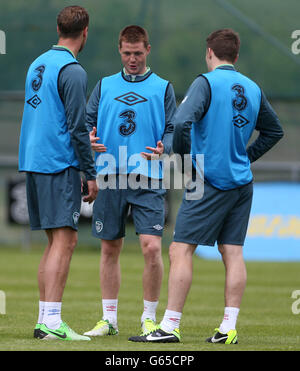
209	53
148	49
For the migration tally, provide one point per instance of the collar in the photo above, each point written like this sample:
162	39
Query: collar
135	77
61	47
226	66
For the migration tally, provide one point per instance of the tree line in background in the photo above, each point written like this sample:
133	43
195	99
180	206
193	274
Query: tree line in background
177	33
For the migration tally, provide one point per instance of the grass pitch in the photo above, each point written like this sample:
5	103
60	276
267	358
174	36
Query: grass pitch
266	321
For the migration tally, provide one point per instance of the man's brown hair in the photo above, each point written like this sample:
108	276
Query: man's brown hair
225	44
71	21
134	34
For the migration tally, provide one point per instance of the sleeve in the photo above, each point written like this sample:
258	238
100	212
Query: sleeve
170	108
270	131
72	86
92	107
191	110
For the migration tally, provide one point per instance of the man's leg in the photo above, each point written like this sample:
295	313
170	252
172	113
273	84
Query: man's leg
53	273
41	270
152	276
41	279
50	211
54	265
52	278
180	281
110	272
57	262
235	283
110	278
110	281
154	268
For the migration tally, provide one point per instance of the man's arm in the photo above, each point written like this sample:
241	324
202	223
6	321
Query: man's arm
72	86
270	131
92	118
165	144
170	109
193	107
92	107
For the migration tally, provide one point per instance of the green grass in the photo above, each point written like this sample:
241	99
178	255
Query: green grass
266	321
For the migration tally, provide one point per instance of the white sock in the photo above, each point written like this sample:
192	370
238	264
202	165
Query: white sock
52	314
229	320
41	311
171	321
110	310
149	310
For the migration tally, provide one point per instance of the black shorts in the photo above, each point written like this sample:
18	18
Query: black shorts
220	216
54	200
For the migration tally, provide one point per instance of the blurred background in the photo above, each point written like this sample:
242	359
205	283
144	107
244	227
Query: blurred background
177	33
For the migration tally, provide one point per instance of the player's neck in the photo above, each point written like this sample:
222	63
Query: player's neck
218	63
224	64
145	71
72	45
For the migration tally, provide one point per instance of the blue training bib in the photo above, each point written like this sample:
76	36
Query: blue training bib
131	116
223	133
45	144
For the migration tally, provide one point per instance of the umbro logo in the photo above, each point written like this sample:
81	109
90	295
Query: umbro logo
240	121
158	227
111	308
34	101
131	98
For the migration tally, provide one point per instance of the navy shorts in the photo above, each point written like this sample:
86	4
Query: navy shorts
111	209
54	200
220	216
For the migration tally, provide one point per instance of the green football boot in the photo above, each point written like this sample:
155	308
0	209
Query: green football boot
103	328
148	326
229	338
36	331
64	332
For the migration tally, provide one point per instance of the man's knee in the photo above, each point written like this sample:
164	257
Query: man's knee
110	250
179	251
73	240
230	251
64	238
173	251
151	248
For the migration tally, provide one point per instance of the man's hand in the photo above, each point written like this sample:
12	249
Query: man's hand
156	152
92	191
97	147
